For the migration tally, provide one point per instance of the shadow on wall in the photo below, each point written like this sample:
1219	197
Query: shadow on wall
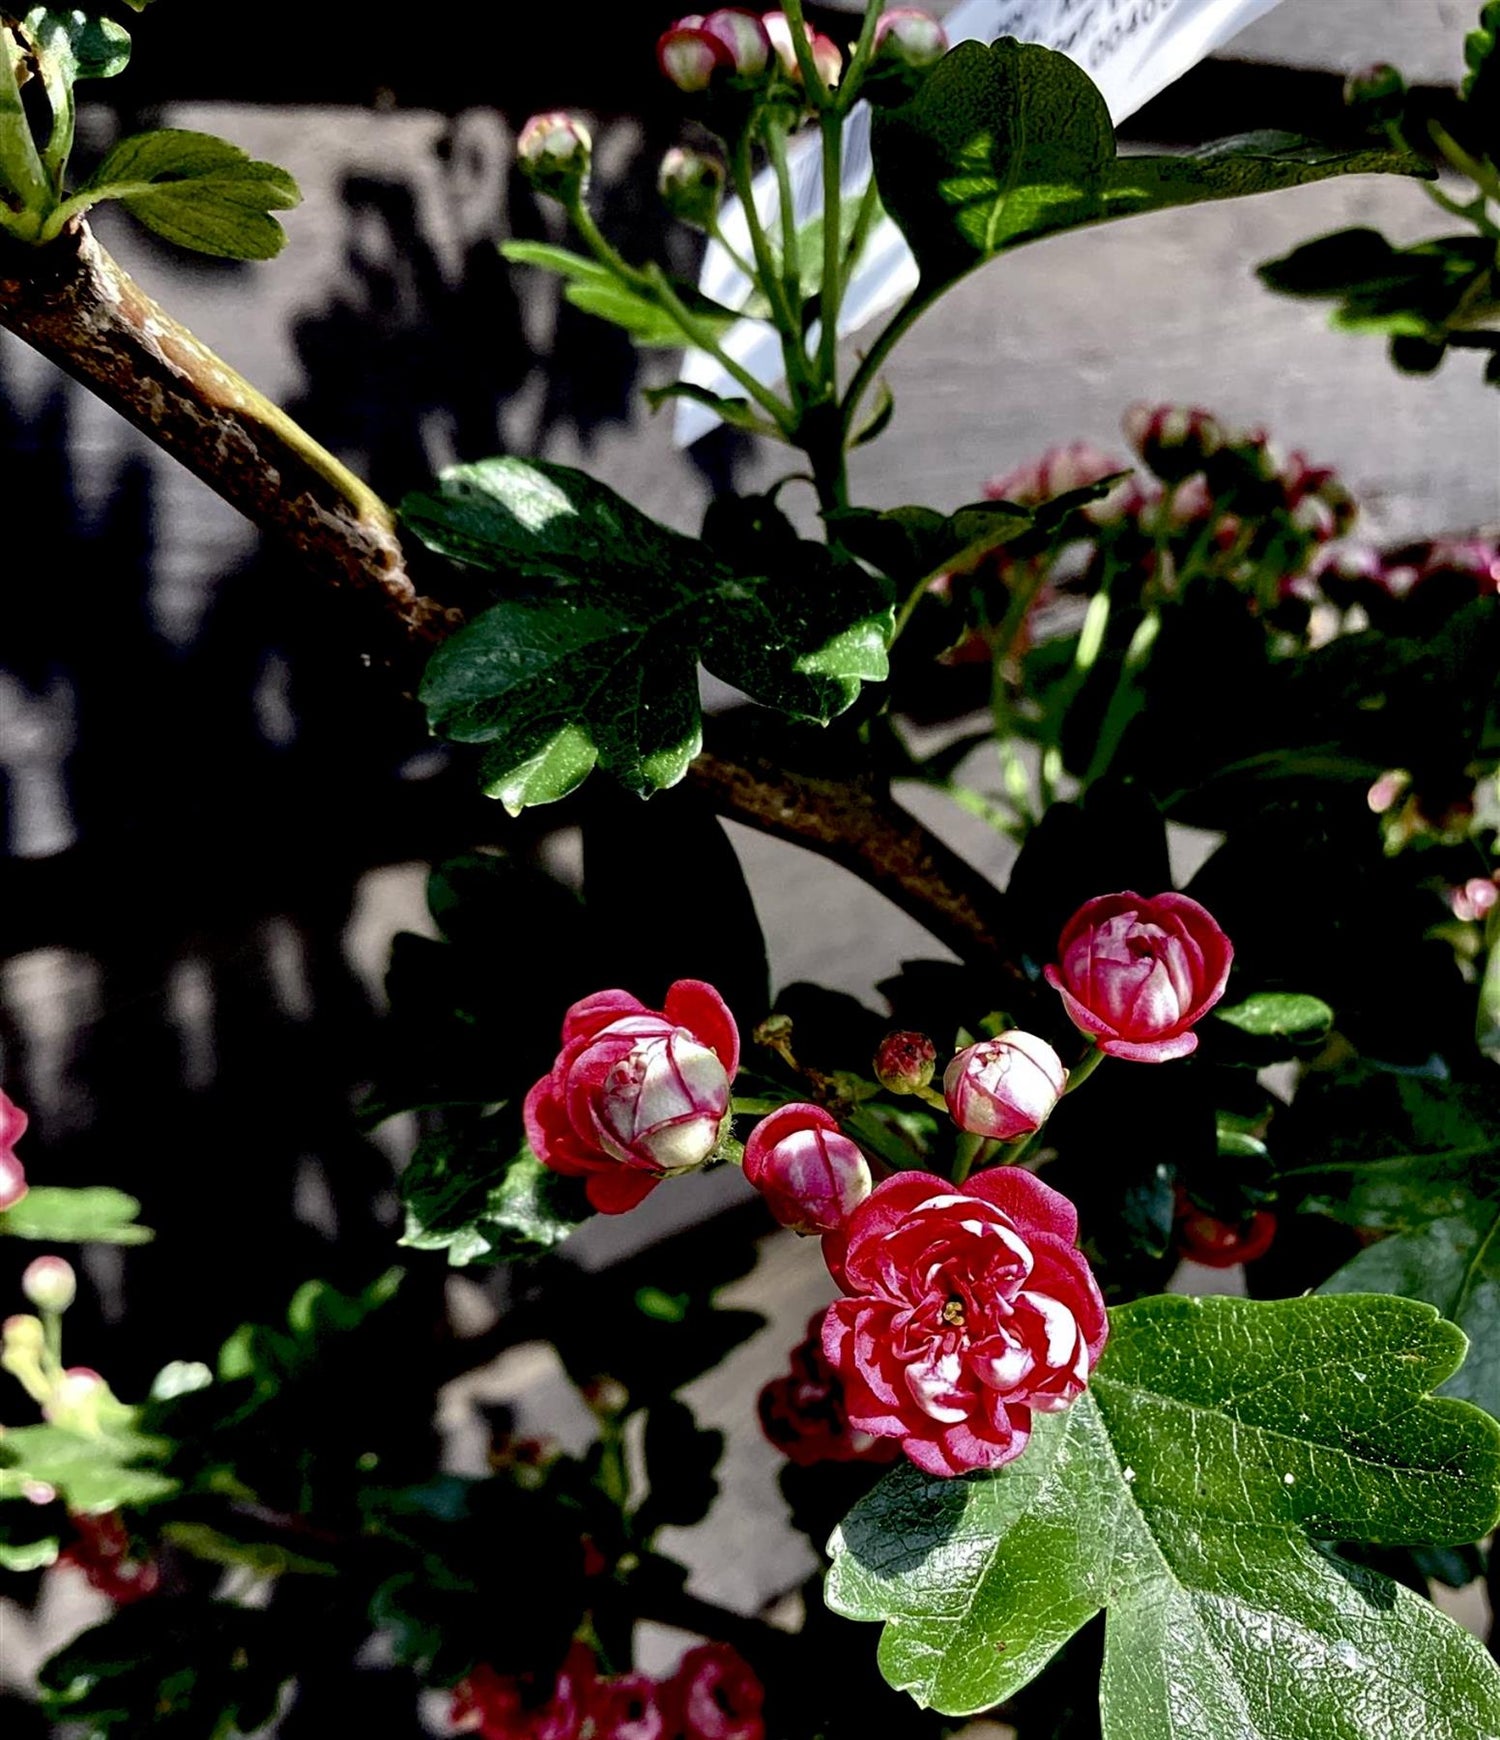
188	822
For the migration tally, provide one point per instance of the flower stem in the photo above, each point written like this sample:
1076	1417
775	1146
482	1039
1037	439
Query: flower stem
965	1152
1084	1068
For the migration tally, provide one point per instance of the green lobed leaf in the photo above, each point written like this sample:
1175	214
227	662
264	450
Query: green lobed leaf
1007	143
72	45
593	659
1185	1494
197	191
1452	1264
56	1215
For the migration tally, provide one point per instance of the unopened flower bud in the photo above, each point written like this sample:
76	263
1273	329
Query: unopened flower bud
1004	1087
691	185
690	56
22	1343
825	53
1474	899
1377	92
746	38
905	1062
909	37
1174	440
1387	791
50	1284
22	1336
811	1175
554	152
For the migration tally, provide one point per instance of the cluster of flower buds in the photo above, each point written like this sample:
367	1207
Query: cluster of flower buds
1436	813
732	46
714	1695
804	1416
555	152
13	1122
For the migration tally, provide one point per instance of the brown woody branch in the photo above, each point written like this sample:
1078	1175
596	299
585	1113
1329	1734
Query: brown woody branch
75	305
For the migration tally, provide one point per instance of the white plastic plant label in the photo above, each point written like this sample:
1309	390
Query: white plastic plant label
1130	48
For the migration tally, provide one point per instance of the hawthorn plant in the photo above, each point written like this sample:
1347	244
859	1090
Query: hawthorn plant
1064	1493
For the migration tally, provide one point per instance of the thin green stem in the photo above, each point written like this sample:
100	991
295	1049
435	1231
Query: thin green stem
791	254
741	264
788	325
653	282
1127	699
965	1152
52	1344
702	337
1484	175
859	58
817	93
1084	1068
832	296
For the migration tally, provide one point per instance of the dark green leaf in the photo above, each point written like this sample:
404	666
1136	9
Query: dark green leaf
198	191
1415	293
474	1193
1185	1493
55	1215
175	1667
1453	1264
738	413
602	666
1004	144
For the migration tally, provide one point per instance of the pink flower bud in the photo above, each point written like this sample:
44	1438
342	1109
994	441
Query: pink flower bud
746	38
905	1062
811	1175
554	152
910	37
49	1283
1137	974
690	56
13	1122
1004	1087
1388	790
691	185
635	1094
1174	440
1474	899
1059	471
826	57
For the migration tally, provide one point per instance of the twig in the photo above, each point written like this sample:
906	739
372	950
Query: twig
75	305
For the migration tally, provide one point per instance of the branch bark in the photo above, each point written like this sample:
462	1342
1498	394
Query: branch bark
72	302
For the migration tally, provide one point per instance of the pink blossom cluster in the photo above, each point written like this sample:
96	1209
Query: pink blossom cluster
714	1695
967	1306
